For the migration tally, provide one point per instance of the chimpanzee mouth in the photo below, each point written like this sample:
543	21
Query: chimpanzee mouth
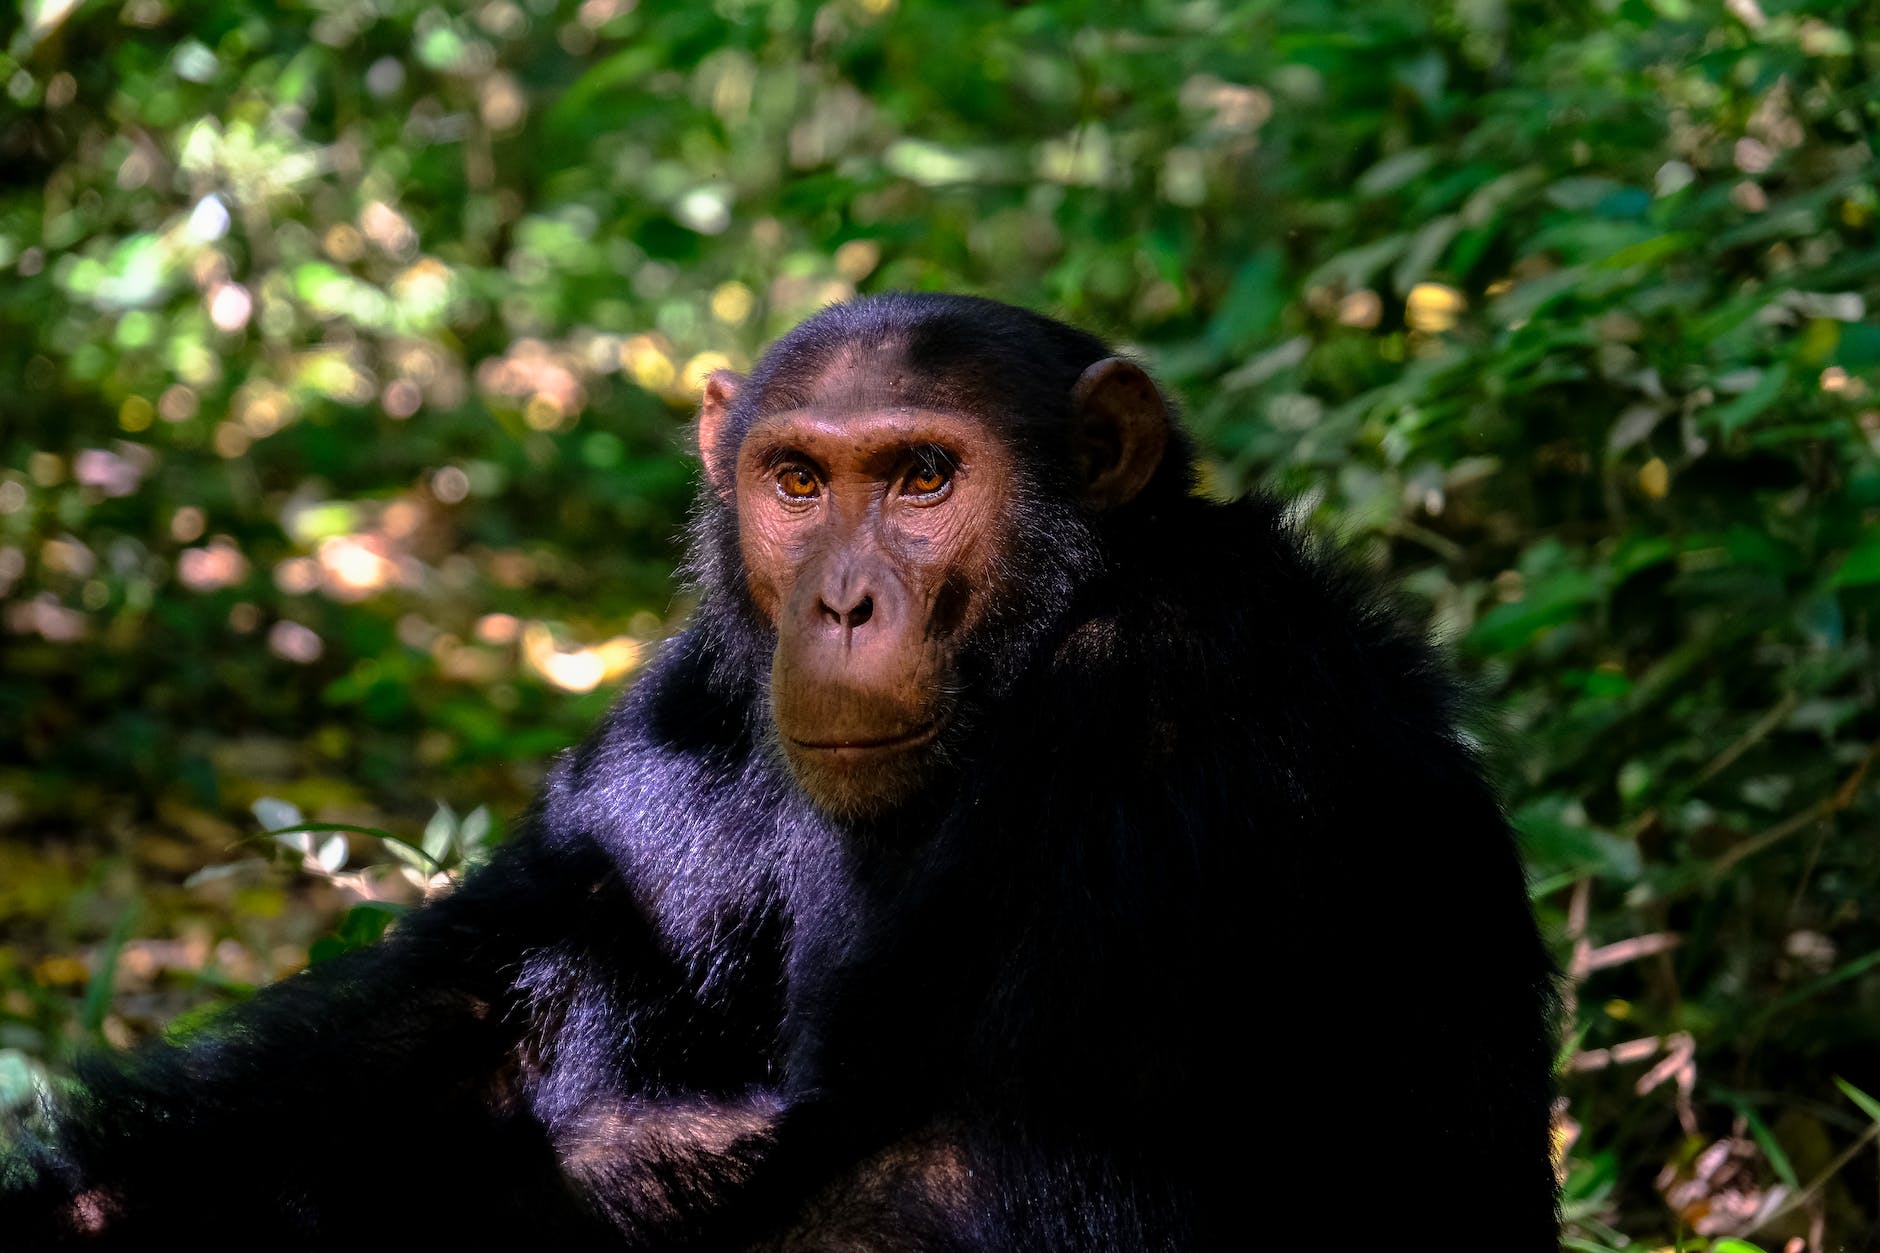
916	738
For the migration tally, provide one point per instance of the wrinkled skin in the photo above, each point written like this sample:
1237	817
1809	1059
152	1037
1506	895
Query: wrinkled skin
872	533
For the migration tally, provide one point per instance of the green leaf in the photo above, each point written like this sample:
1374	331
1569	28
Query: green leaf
1868	1105
614	74
440	833
475	829
1582	193
1252	304
1752	403
1356	267
1861	566
411	854
1394	171
362	925
1426	249
1552	840
1560	598
104	968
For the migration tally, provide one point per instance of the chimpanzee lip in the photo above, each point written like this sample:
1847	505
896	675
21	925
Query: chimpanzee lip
907	739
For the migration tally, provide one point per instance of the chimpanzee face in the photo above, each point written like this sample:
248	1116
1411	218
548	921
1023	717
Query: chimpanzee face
874	535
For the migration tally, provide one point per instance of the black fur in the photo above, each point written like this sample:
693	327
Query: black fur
1213	935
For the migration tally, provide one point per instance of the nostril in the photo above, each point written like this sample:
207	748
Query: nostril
864	610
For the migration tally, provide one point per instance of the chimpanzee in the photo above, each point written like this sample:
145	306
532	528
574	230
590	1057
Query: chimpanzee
1018	851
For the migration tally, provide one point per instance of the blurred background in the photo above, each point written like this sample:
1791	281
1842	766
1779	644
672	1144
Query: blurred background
348	350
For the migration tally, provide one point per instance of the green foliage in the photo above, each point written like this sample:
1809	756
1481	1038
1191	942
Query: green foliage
360	926
349	349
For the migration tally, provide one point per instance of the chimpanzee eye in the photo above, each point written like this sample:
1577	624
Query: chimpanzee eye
797	483
932	471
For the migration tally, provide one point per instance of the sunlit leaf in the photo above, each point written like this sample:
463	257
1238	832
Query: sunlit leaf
440	833
332	854
475	828
275	814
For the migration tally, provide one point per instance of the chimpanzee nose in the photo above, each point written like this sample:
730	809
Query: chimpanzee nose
851	592
848	608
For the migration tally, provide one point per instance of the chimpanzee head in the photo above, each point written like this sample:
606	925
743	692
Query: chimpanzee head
908	489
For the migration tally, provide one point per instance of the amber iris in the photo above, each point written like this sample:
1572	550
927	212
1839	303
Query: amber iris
797	483
926	482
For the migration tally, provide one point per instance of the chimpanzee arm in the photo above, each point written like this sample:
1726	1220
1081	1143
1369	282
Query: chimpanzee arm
968	1181
386	1092
567	1043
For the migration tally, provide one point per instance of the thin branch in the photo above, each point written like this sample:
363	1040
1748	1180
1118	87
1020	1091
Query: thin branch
1750	738
1622	951
1821	810
1764	726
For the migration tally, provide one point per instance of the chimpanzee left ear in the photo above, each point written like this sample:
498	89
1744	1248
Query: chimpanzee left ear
721	388
1122	431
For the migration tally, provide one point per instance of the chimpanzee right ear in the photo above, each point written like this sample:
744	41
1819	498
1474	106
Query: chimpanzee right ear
1121	431
721	388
